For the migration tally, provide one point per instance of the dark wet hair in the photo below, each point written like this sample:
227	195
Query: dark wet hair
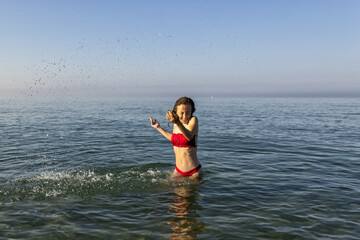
186	101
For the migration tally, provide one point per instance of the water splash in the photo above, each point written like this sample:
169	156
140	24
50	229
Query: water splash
84	183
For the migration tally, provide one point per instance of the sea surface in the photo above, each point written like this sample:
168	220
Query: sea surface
274	168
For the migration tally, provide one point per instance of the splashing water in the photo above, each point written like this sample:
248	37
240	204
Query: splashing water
85	183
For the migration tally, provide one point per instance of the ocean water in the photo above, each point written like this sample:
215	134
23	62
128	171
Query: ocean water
276	168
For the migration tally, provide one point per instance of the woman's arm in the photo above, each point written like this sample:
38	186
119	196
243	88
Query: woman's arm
190	131
155	124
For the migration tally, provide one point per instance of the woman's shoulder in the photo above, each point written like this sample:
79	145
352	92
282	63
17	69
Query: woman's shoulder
193	118
193	123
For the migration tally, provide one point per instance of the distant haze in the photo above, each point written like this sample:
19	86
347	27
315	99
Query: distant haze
174	48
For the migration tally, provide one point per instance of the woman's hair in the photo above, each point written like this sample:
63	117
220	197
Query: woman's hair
186	101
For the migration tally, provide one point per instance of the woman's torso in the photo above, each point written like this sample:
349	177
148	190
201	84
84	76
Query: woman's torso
186	157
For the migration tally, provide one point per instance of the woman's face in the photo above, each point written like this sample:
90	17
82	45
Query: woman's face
184	113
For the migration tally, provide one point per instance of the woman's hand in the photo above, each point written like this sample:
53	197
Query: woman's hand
172	117
154	123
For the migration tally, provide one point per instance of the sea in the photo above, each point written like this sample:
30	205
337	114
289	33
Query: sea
274	168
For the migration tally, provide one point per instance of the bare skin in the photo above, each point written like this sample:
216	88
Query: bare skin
186	158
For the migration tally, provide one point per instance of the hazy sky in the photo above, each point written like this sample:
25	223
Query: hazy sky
174	48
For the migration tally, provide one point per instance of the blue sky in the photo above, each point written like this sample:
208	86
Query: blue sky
174	48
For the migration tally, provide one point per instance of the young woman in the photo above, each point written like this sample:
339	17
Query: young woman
184	137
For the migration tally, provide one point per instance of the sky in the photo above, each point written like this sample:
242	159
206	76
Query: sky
197	48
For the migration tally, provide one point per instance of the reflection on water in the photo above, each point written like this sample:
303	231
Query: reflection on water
185	222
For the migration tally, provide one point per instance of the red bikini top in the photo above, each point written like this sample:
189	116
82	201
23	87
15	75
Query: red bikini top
179	140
